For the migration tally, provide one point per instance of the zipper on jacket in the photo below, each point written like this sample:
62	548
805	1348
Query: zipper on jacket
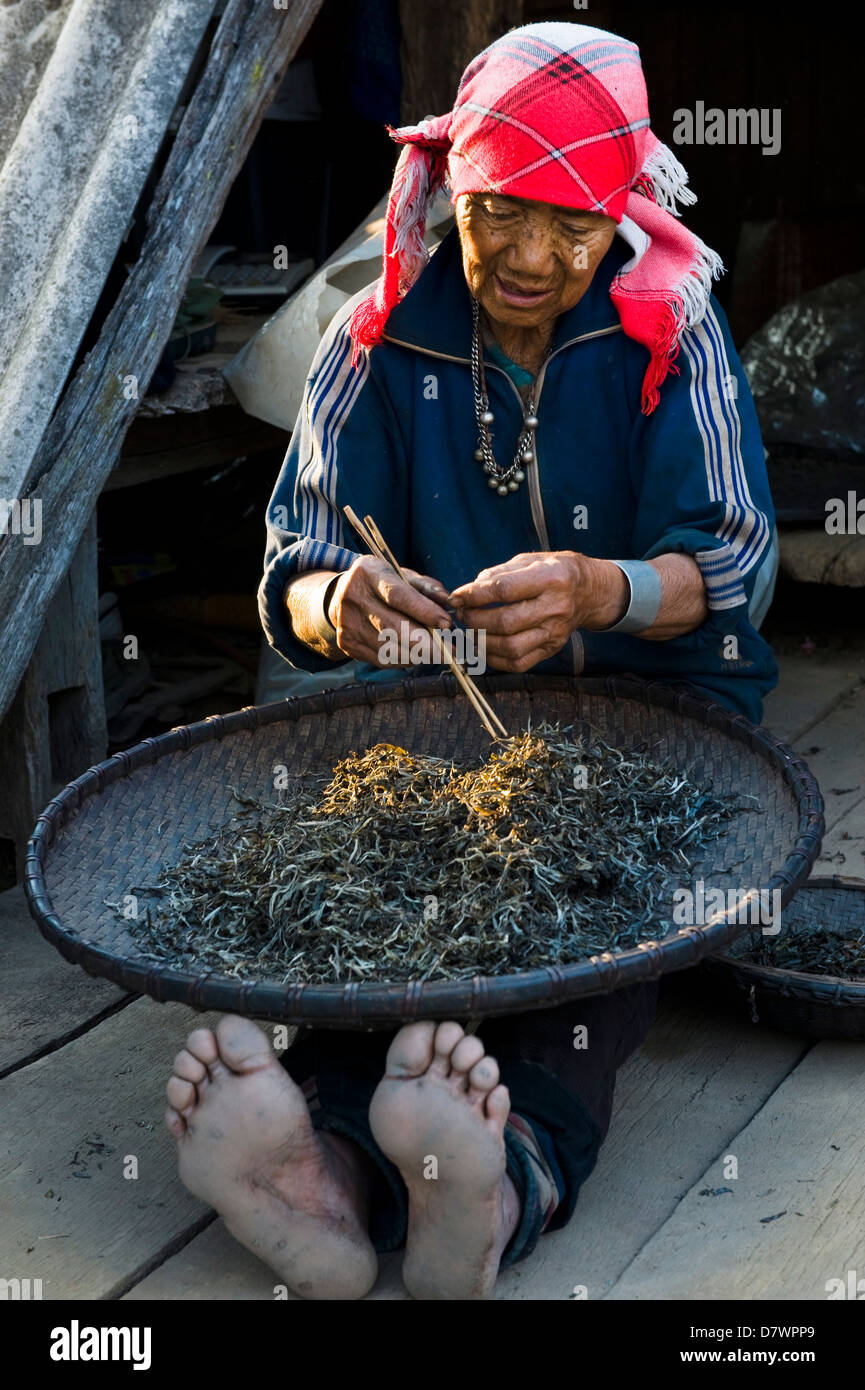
533	474
575	641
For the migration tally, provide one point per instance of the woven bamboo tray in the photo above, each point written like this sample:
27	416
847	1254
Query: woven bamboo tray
816	1006
114	827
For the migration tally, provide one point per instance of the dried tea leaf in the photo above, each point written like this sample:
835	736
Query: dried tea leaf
816	953
407	866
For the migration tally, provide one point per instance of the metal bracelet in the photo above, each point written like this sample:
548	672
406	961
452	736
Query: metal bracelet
646	594
320	617
317	614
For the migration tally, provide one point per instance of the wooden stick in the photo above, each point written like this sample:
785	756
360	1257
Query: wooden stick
484	709
378	546
488	716
362	531
383	545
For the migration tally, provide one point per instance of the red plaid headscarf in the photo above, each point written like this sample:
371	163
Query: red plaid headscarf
556	113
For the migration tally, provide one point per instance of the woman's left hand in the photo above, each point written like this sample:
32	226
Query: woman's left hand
538	600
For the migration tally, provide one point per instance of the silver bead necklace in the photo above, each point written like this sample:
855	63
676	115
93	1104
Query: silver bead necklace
502	480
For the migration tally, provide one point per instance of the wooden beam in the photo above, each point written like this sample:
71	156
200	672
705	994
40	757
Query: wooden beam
160	447
96	102
438	43
55	726
250	52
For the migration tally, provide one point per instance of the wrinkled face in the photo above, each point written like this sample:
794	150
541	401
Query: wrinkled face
528	262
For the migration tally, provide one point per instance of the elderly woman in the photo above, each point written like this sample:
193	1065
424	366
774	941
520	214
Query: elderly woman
550	424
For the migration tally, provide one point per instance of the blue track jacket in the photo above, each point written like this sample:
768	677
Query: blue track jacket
396	436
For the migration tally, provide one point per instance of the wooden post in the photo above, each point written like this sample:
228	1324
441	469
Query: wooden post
438	43
250	52
55	728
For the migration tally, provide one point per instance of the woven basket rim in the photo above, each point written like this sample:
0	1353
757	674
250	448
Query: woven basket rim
355	1004
774	976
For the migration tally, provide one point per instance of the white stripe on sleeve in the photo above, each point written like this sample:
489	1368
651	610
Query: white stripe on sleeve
745	529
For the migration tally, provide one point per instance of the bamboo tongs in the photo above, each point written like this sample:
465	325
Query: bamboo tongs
378	546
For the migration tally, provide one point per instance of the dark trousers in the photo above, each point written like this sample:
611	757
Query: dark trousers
561	1089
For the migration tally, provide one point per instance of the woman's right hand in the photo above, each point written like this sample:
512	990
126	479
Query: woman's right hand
370	598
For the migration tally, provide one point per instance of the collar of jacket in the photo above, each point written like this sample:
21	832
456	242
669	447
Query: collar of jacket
435	316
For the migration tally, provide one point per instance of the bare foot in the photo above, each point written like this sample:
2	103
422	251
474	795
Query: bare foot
440	1098
295	1197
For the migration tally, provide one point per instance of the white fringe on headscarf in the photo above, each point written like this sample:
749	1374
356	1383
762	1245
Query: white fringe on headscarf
697	286
414	194
668	180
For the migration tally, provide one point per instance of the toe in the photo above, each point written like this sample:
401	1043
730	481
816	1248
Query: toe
242	1045
467	1053
498	1104
181	1094
175	1123
189	1067
483	1078
447	1036
202	1044
411	1051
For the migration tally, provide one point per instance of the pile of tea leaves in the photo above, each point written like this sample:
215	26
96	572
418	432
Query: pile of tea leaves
815	953
557	846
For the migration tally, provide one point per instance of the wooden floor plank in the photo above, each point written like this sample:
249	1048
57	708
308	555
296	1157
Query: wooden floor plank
795	1217
843	850
45	1000
212	1266
68	1216
838	763
807	689
680	1101
696	1082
